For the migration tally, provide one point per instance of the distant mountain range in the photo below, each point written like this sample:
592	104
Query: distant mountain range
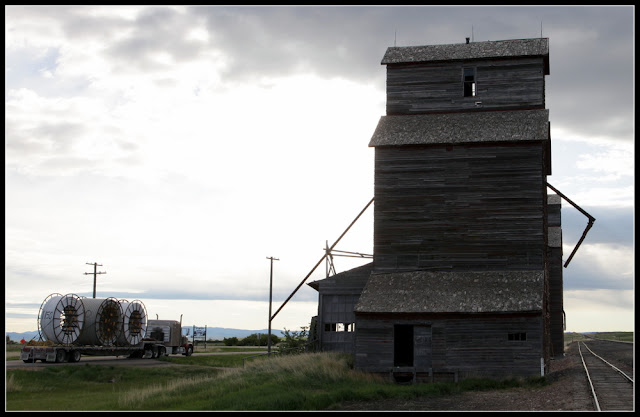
213	333
16	337
219	333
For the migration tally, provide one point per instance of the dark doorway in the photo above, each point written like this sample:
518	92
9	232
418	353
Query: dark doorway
403	345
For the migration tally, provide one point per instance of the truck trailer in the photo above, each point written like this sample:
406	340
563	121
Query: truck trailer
72	326
164	337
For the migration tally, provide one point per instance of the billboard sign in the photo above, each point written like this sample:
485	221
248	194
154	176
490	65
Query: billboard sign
199	333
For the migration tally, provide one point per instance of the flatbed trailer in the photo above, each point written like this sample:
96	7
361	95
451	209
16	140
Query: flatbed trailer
145	350
166	340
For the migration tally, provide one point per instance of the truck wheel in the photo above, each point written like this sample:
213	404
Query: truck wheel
148	353
189	351
61	355
162	351
74	356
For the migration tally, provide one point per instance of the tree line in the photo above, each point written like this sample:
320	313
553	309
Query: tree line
291	342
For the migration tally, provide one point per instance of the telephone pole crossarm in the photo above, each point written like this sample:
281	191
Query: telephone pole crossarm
95	273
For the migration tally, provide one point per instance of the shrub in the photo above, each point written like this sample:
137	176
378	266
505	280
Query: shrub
258	340
293	342
232	341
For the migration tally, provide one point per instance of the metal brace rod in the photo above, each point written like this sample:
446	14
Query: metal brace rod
354	256
351	254
322	259
586	230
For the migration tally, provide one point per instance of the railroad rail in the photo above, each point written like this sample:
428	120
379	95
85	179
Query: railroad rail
611	388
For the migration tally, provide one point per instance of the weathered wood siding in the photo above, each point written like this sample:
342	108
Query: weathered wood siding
337	298
460	186
455	346
554	260
463	207
337	309
501	84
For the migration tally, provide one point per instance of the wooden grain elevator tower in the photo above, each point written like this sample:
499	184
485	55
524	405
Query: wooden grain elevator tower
466	249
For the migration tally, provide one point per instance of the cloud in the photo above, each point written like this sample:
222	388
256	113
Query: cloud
605	259
613	225
279	41
596	267
593	171
601	300
602	310
615	161
253	43
155	41
180	146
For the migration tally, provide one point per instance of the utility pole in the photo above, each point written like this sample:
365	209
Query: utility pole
270	292
94	273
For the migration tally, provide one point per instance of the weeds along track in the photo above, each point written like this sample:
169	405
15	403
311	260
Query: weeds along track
611	386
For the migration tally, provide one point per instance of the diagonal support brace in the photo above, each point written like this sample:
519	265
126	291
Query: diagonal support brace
586	230
328	251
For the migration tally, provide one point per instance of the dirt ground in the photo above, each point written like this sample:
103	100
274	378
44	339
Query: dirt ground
567	390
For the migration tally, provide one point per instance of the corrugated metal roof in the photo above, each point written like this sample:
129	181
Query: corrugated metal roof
472	50
464	127
453	292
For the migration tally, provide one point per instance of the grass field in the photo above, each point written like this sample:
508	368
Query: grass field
225	361
13	351
314	381
621	336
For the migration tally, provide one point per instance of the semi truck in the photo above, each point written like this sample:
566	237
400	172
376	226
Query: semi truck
164	337
71	326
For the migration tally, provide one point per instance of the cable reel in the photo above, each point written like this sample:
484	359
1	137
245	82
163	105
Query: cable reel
61	318
134	322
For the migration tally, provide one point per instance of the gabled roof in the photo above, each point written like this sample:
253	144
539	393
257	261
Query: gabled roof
463	127
351	280
453	292
467	51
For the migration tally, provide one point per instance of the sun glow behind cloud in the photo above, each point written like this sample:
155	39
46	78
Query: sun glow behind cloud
240	153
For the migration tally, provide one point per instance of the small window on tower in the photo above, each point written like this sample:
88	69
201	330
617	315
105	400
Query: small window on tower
469	82
517	336
330	327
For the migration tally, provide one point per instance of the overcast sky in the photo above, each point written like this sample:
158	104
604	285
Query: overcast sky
180	147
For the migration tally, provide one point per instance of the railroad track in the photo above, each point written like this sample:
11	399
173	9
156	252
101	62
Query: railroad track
612	388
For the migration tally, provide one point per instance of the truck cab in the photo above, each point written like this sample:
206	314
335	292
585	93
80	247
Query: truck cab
169	334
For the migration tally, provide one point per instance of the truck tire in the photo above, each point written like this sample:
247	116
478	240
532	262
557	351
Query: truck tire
61	355
74	356
148	353
189	351
162	351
